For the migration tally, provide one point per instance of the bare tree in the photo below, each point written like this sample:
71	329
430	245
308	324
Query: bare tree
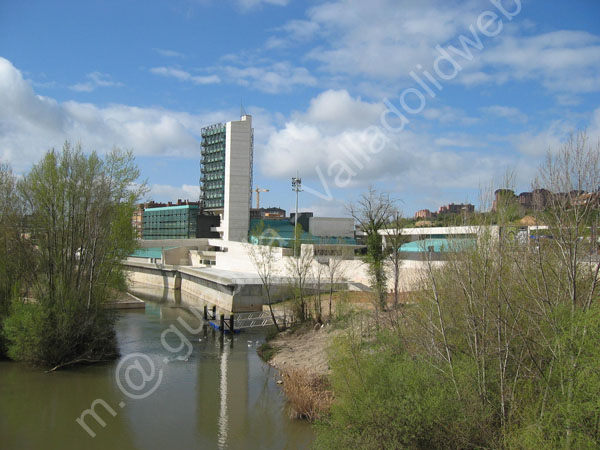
319	272
570	180
394	241
372	211
299	269
263	258
335	272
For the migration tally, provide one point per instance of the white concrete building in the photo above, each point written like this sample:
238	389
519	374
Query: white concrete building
337	227
226	180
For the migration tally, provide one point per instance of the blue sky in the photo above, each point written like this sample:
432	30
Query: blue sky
318	78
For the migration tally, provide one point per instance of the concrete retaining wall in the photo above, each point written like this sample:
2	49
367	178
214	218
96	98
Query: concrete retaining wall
152	275
235	296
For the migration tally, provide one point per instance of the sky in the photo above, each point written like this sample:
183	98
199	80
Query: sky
432	101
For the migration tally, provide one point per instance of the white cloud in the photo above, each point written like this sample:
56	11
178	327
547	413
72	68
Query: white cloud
385	38
564	61
448	114
30	124
294	32
538	143
276	78
168	53
95	80
506	112
165	192
336	108
246	5
459	140
273	78
182	75
339	136
474	78
300	30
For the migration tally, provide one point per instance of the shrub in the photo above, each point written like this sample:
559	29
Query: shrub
308	395
389	400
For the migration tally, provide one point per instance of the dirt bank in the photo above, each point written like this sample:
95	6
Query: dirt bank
304	348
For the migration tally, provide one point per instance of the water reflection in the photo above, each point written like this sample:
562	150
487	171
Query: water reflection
223	394
220	396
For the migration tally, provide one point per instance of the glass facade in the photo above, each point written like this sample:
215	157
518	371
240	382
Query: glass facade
212	179
171	222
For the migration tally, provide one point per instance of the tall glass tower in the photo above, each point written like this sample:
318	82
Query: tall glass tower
226	175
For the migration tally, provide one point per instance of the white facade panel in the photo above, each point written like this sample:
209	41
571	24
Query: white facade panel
238	167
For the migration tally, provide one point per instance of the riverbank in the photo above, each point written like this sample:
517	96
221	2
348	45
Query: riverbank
306	347
302	359
302	354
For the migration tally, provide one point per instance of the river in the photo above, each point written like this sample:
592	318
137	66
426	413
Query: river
194	389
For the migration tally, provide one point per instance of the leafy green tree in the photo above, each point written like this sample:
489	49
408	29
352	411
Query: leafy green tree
15	249
80	209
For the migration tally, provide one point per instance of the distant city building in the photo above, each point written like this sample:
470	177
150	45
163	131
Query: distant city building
525	200
453	208
539	199
504	197
267	213
136	220
424	214
586	198
226	175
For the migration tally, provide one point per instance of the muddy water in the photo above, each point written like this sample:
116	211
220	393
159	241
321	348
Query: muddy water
193	389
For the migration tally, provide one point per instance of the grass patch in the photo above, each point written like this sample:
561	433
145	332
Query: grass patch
266	351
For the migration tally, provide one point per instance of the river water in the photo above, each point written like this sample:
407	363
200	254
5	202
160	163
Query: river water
192	389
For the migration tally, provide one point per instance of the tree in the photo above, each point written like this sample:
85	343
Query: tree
372	211
568	289
299	269
16	265
335	271
80	210
263	257
394	241
297	240
318	276
503	333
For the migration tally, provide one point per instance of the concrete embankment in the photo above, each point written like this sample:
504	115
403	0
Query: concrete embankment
228	290
128	301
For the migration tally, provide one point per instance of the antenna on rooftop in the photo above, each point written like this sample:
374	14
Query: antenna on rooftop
242	110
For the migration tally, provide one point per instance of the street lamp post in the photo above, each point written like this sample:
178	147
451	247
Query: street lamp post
296	187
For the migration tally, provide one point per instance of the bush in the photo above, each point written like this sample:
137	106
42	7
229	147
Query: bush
388	400
308	395
44	334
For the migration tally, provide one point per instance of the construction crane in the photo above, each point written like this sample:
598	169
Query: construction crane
258	191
